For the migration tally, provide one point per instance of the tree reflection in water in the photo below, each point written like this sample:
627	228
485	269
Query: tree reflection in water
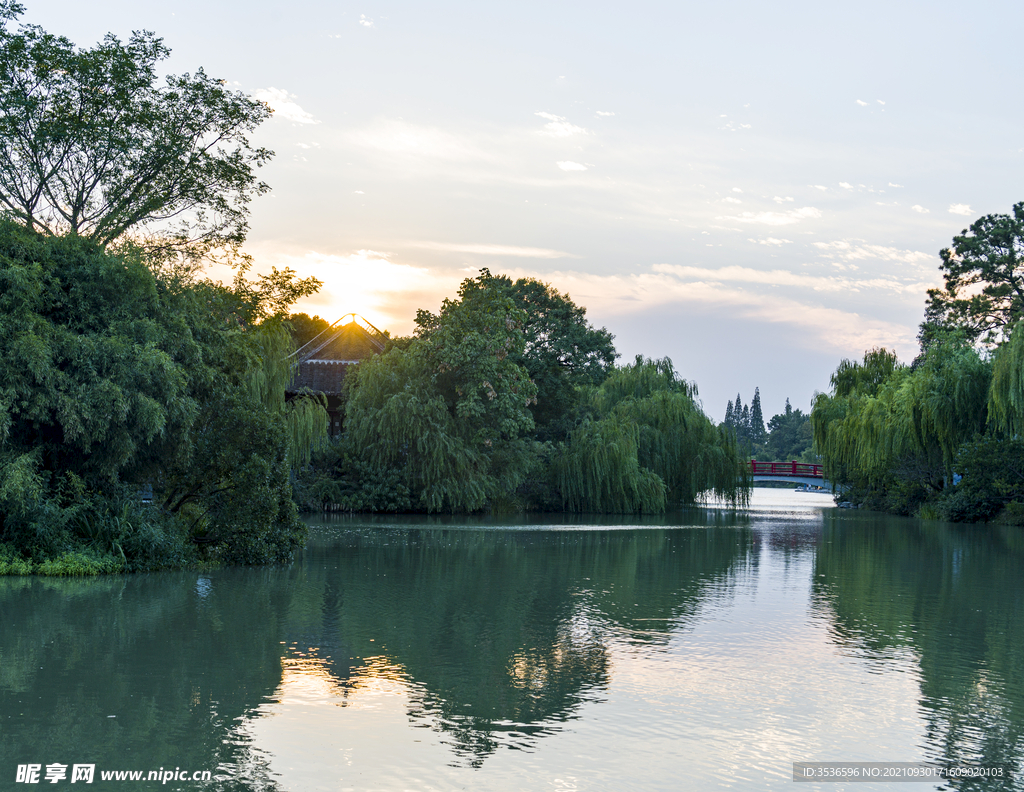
501	635
949	598
140	672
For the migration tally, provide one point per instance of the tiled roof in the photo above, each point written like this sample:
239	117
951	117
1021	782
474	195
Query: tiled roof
322	362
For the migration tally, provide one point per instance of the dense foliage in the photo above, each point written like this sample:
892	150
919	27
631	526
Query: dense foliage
895	431
116	382
647	444
305	328
789	436
450	409
561	351
507	399
941	437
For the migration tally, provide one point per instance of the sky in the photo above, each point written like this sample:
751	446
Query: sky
756	190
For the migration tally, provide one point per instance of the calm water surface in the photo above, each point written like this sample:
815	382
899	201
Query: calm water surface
705	651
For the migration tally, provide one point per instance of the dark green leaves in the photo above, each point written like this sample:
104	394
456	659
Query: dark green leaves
449	409
91	144
984	280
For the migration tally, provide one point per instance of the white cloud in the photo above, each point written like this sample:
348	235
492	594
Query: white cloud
850	251
895	185
880	101
400	139
736	274
772	241
919	208
605	113
847	332
778	218
558	126
862	104
961	209
846	186
284	106
568	165
364	21
494	250
359	192
732	200
818	187
779	199
737	189
388	292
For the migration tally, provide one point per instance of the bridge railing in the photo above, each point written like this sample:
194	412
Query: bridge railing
786	469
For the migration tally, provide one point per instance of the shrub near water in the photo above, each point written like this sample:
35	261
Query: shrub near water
113	380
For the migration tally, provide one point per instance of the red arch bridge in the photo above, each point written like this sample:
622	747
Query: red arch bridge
796	472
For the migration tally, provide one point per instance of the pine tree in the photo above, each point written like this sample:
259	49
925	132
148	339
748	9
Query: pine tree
757	431
729	419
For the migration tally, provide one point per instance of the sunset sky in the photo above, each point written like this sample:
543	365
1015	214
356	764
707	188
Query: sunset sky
755	190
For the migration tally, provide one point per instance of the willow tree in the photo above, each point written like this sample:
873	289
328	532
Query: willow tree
449	410
647	445
1006	397
886	425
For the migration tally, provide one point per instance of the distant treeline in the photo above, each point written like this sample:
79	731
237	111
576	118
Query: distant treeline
787	437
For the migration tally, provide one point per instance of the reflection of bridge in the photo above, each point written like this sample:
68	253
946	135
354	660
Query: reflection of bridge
796	472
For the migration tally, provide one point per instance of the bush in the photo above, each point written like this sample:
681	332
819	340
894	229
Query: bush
993	477
11	563
80	564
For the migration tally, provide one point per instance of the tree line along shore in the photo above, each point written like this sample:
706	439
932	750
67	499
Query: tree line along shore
145	421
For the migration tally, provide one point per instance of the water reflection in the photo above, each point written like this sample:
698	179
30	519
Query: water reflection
727	642
139	673
500	635
951	598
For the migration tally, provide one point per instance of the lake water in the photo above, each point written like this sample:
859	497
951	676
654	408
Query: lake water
706	651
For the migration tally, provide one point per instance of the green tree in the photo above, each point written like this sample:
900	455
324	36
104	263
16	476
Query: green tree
92	145
647	445
562	353
789	435
983	272
894	431
305	328
450	408
756	430
112	378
